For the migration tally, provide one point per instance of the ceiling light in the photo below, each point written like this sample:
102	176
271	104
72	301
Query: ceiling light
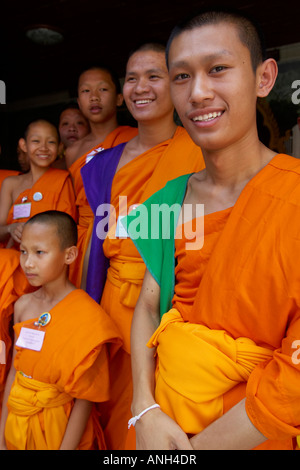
44	35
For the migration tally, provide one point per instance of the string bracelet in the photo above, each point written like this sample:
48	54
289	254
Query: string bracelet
132	421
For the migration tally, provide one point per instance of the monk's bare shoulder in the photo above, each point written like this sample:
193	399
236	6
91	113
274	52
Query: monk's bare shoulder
22	305
11	182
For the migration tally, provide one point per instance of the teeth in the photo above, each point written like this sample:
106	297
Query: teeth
207	117
143	101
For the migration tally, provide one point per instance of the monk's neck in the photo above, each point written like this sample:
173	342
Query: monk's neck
100	130
53	292
36	173
234	167
150	135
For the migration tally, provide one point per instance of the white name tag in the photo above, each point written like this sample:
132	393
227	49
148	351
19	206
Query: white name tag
22	210
121	232
31	339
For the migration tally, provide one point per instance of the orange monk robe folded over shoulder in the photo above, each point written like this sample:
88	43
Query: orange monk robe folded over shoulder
238	299
73	363
85	214
52	191
137	180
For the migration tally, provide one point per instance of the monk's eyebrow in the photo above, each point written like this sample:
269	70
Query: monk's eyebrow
206	58
148	72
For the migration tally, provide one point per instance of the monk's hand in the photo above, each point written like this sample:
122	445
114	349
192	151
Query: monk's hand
15	231
157	431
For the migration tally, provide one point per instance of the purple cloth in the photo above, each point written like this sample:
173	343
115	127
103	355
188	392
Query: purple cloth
97	176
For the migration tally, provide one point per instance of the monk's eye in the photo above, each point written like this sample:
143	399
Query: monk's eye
218	68
181	76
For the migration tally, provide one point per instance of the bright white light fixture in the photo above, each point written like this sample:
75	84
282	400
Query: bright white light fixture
44	35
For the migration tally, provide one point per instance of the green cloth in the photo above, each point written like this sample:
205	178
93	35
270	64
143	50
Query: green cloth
154	237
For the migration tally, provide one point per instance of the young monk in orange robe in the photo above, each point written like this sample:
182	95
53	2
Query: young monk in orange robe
161	151
99	96
224	323
40	189
56	377
23	196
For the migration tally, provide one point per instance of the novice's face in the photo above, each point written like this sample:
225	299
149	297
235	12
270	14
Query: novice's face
213	86
147	86
41	144
41	258
97	96
72	126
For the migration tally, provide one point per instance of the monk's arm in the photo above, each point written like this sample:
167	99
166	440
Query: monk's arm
76	424
6	201
155	430
233	431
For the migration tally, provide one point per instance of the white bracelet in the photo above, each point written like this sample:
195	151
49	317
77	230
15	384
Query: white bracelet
132	421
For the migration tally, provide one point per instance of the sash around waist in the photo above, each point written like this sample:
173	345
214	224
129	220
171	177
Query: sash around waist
127	274
196	366
29	397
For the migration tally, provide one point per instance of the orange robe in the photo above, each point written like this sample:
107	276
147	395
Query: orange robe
13	283
233	328
85	214
137	181
72	363
57	193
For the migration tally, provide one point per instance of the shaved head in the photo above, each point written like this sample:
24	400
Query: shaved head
65	226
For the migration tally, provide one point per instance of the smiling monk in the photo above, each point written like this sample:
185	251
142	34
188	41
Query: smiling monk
222	321
129	174
41	188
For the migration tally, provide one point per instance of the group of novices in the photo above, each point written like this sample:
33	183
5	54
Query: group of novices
118	335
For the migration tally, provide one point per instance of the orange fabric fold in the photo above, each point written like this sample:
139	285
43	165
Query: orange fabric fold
78	342
245	281
13	283
57	193
191	390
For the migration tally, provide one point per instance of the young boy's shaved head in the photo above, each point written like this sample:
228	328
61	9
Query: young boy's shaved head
248	30
65	225
43	122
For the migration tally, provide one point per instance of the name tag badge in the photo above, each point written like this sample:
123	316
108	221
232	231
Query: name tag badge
21	210
31	339
121	232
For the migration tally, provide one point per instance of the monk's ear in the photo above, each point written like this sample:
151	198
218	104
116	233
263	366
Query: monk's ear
120	99
71	254
266	76
22	145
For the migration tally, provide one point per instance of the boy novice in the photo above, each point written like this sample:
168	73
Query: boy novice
225	323
41	188
60	359
99	96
